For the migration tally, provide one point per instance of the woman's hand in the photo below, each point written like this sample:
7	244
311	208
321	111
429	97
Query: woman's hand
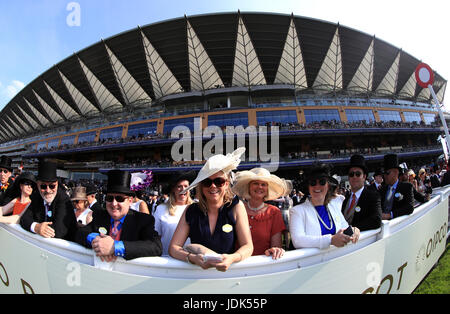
340	239
226	262
276	252
356	234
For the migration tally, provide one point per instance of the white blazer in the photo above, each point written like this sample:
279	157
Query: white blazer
304	226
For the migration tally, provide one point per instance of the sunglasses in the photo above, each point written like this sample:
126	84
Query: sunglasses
78	201
29	183
218	182
322	181
118	198
354	173
5	171
52	186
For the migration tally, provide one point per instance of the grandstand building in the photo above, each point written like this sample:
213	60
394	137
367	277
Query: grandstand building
331	90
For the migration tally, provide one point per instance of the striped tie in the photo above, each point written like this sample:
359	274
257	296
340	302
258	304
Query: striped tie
115	230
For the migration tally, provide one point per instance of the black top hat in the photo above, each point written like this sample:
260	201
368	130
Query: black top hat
5	162
391	162
378	172
119	182
91	189
358	161
47	171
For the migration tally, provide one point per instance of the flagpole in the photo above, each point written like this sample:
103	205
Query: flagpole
441	115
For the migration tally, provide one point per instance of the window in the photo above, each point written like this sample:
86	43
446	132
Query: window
281	116
170	124
41	145
68	140
354	115
142	129
388	115
87	137
53	143
319	115
429	118
230	119
412	117
111	133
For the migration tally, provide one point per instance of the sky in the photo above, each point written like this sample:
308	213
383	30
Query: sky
37	34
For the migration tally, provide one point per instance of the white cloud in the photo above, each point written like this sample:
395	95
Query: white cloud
11	89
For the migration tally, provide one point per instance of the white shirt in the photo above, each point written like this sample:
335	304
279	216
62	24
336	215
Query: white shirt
166	224
304	226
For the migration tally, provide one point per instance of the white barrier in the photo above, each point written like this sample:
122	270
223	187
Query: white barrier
393	258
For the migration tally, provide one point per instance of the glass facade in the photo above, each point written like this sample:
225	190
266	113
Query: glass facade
280	116
142	129
412	117
388	115
68	140
354	115
170	124
111	133
319	115
53	143
87	137
231	119
429	118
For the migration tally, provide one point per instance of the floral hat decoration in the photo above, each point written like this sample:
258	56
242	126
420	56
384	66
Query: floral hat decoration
141	180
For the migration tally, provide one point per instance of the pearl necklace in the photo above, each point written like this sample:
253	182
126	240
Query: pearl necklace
255	208
329	217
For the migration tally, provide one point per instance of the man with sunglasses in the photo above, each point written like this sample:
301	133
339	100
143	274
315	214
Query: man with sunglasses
362	205
119	231
50	213
397	198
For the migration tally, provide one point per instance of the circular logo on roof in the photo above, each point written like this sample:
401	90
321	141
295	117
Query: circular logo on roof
424	75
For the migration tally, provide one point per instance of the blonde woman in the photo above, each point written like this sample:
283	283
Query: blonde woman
23	187
167	215
217	225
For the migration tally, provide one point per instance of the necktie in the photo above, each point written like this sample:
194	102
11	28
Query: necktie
389	199
48	212
389	195
352	204
115	230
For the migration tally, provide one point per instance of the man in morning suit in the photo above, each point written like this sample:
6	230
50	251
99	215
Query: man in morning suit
397	198
118	231
50	213
6	180
91	193
362	205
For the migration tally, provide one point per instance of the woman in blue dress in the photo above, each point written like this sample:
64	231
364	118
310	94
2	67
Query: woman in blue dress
217	224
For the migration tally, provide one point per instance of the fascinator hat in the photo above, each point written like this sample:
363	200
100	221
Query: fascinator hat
216	163
276	187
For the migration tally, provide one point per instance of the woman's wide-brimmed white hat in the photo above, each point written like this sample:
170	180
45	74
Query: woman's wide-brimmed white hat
277	187
216	163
